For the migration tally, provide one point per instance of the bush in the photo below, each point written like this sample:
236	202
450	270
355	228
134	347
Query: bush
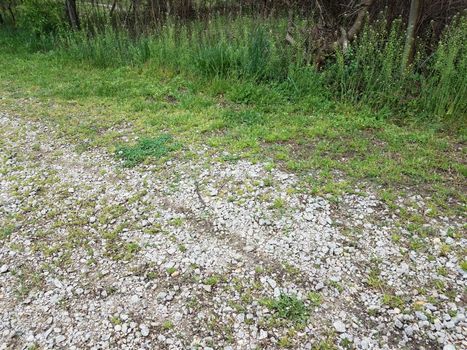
41	16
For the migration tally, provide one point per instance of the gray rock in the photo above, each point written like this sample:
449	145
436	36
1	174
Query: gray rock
262	334
272	283
409	331
144	330
449	347
319	286
339	326
399	324
421	316
449	324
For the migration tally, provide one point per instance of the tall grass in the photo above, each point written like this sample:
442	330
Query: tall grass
444	85
106	49
369	73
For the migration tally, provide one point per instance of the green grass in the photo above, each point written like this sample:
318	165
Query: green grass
393	301
212	281
154	147
6	232
290	124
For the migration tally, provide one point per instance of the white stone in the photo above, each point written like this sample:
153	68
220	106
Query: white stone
144	330
262	334
339	326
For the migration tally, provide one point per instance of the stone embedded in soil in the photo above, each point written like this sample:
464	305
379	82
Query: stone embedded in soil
339	326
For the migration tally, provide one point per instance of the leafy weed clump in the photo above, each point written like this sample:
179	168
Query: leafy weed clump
148	147
288	307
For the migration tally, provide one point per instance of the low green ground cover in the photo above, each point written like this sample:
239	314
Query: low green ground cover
289	123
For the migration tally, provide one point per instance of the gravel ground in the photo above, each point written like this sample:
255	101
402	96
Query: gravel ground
204	254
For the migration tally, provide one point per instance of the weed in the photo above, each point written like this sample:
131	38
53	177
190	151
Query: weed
279	203
167	325
374	279
212	281
284	342
439	285
177	222
151	275
131	249
115	320
171	270
288	307
445	249
393	301
442	271
314	298
155	147
346	343
416	243
6	231
336	285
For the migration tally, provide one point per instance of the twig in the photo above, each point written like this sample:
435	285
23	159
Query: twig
199	194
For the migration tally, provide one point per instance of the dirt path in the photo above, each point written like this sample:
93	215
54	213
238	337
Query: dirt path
201	254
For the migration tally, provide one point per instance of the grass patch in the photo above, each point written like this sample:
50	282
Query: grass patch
393	301
247	117
6	231
145	148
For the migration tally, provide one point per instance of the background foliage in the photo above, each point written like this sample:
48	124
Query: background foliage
246	40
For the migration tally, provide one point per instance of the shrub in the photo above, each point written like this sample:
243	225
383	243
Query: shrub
41	16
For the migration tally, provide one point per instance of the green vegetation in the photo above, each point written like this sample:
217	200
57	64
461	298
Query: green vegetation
393	301
232	85
314	298
212	281
167	325
228	89
6	231
463	265
155	147
288	307
171	270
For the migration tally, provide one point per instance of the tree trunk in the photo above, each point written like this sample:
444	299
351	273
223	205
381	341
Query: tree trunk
112	9
72	13
347	36
409	48
12	14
